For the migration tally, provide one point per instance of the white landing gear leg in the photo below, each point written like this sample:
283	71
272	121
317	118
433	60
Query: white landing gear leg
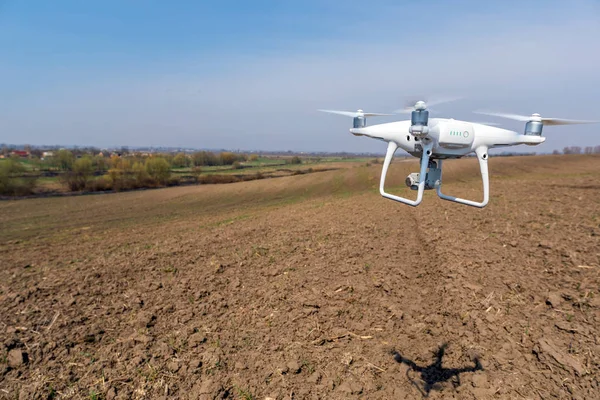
482	156
424	164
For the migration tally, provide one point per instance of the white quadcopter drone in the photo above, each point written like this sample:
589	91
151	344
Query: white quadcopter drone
436	139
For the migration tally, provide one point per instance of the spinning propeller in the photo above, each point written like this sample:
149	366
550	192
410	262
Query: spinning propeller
359	116
354	114
420	105
536	118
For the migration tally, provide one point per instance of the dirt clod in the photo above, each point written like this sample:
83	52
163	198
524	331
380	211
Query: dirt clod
293	367
480	380
350	387
145	319
548	353
17	358
173	366
196	339
314	378
554	300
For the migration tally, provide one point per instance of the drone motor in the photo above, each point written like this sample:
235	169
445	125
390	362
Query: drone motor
359	122
419	119
534	126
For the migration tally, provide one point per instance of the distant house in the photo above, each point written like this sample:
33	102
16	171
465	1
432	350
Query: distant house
47	154
20	153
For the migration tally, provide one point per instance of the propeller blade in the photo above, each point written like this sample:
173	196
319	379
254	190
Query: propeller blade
441	100
486	123
545	121
515	117
354	114
410	105
375	114
346	113
561	121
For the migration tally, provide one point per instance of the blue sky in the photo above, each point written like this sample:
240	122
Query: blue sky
250	75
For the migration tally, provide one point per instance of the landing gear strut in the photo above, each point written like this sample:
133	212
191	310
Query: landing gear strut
430	177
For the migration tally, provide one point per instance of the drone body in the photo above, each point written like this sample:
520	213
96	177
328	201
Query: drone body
436	139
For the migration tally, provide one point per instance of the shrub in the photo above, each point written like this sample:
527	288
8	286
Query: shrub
173	181
140	174
180	161
12	181
295	160
196	171
99	185
78	178
101	163
121	174
237	165
254	157
159	169
227	158
205	158
64	160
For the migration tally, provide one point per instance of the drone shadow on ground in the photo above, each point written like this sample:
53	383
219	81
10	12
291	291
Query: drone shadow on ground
434	374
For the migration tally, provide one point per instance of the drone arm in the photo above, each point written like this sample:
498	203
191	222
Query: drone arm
482	156
424	163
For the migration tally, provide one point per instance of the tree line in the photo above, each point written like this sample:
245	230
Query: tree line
95	171
580	150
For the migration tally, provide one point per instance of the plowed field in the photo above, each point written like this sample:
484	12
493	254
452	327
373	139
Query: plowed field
309	287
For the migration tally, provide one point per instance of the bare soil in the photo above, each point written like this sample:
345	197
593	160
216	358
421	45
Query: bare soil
308	287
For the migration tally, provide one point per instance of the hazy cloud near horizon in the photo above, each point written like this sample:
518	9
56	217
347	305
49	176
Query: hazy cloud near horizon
252	96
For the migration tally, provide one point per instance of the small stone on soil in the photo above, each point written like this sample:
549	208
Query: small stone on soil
347	359
283	369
